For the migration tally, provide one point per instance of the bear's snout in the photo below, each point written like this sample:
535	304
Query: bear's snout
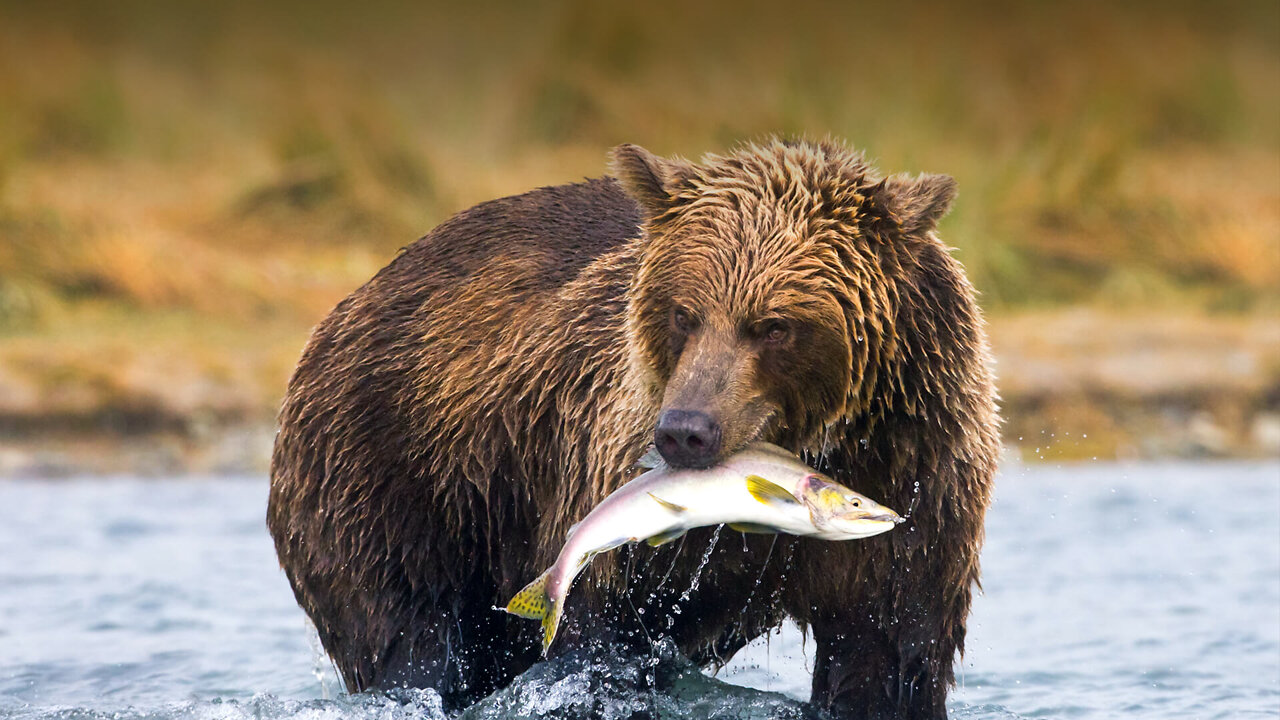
687	438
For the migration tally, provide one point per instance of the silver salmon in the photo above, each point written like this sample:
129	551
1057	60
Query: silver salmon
760	489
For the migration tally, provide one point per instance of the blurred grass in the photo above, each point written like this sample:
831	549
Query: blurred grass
169	169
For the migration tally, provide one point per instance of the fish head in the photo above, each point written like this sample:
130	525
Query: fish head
841	513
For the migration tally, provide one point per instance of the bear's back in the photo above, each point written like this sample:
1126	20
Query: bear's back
429	344
547	235
445	304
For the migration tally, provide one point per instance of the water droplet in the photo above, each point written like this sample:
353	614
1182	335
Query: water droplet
706	557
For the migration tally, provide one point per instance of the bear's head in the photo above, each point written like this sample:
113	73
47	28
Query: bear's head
764	303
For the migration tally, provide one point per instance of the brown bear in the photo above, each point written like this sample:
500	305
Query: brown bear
453	417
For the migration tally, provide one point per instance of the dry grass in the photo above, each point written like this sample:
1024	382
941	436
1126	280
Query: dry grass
186	188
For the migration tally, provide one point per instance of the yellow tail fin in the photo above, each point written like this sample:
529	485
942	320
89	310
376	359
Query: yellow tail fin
550	623
535	603
532	602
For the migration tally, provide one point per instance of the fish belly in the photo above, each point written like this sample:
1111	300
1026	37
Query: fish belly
724	503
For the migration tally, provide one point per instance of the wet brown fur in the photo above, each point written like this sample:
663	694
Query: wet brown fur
451	418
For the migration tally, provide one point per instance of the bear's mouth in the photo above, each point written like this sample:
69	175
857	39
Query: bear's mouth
767	429
675	433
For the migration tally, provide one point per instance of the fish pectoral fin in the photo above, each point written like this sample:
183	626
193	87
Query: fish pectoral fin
749	527
673	507
769	493
651	459
666	537
532	602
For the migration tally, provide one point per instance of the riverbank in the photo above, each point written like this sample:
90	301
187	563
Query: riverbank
1081	385
183	195
1076	384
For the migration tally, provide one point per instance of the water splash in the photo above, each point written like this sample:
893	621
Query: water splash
776	595
320	660
611	683
675	557
706	558
915	500
773	543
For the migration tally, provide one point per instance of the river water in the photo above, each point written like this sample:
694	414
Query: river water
1142	590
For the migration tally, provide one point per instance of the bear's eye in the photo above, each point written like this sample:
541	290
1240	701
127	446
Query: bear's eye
775	332
683	320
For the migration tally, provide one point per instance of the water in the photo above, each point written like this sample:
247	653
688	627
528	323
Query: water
1111	590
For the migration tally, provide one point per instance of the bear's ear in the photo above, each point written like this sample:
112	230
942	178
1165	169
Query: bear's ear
649	179
919	202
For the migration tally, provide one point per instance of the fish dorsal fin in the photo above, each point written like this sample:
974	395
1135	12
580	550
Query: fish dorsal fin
769	493
749	527
673	507
666	537
651	459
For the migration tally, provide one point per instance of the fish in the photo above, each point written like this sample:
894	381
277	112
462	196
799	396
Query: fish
761	489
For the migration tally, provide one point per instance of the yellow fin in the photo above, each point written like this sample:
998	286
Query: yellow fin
666	537
673	507
550	623
768	492
535	603
532	602
747	527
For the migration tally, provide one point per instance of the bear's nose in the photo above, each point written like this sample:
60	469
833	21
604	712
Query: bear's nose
687	438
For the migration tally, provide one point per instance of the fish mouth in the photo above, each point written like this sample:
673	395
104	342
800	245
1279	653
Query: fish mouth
877	516
890	517
870	525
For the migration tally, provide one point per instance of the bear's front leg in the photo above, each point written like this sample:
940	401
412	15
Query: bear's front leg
863	670
886	637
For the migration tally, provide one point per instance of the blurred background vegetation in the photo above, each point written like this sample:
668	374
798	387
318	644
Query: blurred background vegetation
186	188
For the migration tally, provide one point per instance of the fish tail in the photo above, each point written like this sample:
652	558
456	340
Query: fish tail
532	602
535	603
550	623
